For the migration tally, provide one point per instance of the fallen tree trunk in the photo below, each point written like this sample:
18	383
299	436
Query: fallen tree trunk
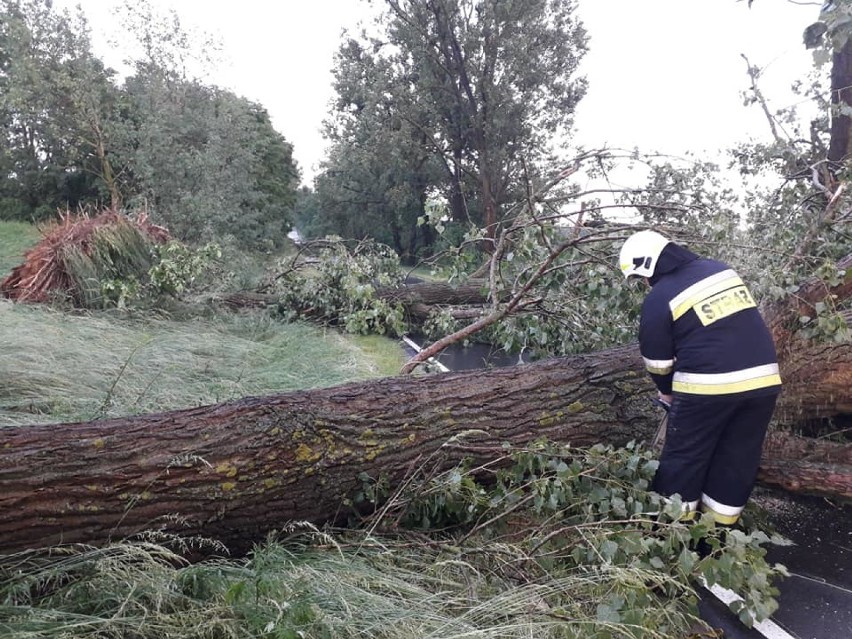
418	299
817	383
237	470
809	477
432	293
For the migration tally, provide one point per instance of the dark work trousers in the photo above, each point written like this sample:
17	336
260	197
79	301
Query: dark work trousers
713	447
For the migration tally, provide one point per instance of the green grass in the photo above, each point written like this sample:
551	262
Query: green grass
58	366
381	590
15	239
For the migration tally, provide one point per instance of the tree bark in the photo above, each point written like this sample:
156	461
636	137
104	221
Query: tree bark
817	383
235	471
437	293
841	100
809	477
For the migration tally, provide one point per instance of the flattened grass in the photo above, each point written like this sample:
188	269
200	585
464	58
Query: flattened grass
377	588
57	366
65	367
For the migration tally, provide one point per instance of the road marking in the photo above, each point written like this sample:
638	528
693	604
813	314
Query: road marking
767	627
431	360
821	582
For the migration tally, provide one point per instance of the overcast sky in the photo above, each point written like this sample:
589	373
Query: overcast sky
664	75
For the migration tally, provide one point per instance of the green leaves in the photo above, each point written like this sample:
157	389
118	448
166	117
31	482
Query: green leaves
588	512
56	108
199	159
442	105
339	287
178	266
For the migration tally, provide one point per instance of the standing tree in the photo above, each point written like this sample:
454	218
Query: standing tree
58	110
479	87
376	178
207	162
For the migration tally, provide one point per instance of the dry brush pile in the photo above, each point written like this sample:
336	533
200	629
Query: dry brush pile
78	252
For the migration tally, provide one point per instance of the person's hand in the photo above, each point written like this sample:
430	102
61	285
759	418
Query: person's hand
668	399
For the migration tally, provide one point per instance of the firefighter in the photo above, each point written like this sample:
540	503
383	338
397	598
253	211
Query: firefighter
712	359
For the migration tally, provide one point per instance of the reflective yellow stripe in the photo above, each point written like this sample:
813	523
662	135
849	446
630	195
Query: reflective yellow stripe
659	371
700	285
659	366
719	518
681	304
723	389
723	383
722	513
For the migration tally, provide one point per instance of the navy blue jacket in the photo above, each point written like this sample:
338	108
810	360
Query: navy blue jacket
701	334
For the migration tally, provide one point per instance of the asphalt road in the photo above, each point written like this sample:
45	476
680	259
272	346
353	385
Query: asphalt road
816	600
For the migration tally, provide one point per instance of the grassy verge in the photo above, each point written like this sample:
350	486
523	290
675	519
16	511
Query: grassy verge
58	366
63	367
15	238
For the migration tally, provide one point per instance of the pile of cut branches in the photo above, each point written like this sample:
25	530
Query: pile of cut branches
77	247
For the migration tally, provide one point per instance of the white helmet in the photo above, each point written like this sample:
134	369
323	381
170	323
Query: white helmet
640	253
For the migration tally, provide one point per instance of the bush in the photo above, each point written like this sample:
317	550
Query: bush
338	285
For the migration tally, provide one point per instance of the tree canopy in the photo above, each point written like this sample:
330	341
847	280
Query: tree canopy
454	99
201	159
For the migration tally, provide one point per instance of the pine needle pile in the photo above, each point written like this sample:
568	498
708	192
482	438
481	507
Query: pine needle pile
78	254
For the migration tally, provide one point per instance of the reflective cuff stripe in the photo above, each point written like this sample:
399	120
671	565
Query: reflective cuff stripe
724	389
722	513
689	509
702	289
687	505
659	366
723	383
727	520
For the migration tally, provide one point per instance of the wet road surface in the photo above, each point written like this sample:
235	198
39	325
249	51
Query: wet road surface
816	599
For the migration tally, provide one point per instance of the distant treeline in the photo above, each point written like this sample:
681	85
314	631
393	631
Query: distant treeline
199	159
